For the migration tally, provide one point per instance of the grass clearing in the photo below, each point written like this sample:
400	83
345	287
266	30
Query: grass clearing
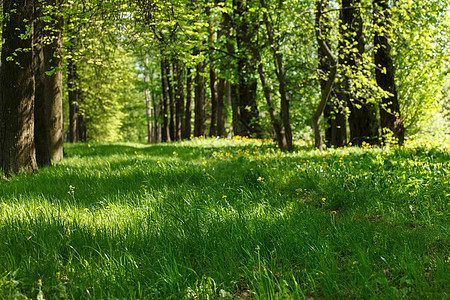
216	218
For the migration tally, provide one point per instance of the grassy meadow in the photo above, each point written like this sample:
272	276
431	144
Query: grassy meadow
229	219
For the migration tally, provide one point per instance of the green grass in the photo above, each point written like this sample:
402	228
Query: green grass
210	218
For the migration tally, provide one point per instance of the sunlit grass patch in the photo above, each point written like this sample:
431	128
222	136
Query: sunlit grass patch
229	218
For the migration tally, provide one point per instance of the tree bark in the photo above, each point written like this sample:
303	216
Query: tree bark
53	82
199	100
212	75
221	108
148	104
41	134
188	110
17	149
362	120
72	82
179	98
390	117
247	83
165	102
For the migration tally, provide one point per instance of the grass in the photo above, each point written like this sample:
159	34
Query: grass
213	218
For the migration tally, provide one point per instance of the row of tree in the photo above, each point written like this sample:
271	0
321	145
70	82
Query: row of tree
170	69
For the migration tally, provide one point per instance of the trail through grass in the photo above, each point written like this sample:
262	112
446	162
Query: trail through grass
215	218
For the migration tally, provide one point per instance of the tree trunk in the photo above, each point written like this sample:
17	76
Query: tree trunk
281	139
148	103
390	118
199	99
188	110
247	83
72	82
179	98
165	102
362	119
212	74
279	70
53	82
326	91
169	80
17	149
41	133
221	108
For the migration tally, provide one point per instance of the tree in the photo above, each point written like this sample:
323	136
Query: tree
41	133
390	118
53	104
330	77
17	149
362	119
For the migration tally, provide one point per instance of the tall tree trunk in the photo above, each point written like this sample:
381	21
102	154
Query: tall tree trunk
41	133
199	100
72	82
53	82
17	149
81	124
165	103
362	120
247	83
212	74
279	70
221	108
231	86
157	108
148	103
169	80
188	110
179	98
390	117
281	138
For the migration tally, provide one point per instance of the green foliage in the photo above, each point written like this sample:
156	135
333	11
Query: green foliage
229	219
421	53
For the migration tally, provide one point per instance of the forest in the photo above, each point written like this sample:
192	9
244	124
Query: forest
338	73
225	149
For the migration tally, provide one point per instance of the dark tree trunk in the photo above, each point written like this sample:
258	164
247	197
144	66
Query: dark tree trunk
247	83
188	110
390	118
72	82
221	108
165	102
362	120
179	98
81	124
199	99
169	79
41	133
17	149
53	82
157	108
